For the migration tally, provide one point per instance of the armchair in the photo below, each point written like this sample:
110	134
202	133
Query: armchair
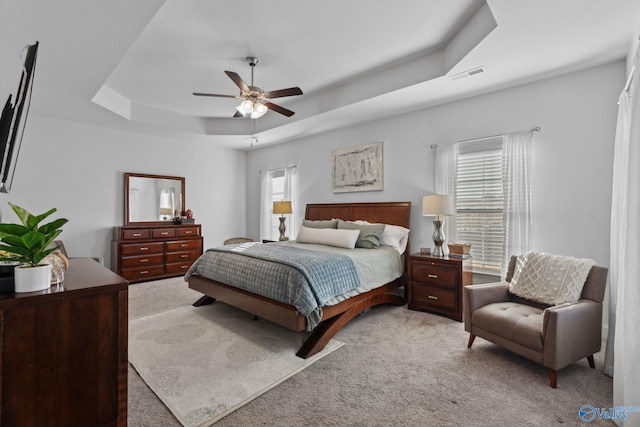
554	336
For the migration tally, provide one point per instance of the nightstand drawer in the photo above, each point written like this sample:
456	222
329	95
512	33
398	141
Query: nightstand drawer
434	274
432	296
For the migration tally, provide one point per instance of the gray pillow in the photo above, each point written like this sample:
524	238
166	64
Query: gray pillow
370	234
329	223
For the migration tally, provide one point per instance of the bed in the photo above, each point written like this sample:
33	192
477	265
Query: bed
333	317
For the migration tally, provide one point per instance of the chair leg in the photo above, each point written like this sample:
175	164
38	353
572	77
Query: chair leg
553	378
591	362
471	338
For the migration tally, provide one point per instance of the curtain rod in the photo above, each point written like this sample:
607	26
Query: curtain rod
533	130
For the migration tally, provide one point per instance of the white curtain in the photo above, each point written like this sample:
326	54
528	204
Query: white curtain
446	166
516	151
623	343
266	201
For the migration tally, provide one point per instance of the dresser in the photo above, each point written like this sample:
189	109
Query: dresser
63	351
435	284
140	253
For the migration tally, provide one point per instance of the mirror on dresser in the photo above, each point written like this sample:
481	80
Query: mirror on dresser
152	198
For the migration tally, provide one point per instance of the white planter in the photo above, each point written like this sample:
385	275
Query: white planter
31	279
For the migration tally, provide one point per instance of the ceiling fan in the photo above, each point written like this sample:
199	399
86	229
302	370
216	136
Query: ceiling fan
255	102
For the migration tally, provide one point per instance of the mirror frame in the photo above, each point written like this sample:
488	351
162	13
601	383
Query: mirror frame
127	177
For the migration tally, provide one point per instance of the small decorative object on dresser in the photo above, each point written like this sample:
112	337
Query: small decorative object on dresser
435	284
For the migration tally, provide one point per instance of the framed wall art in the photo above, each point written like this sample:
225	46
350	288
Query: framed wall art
357	168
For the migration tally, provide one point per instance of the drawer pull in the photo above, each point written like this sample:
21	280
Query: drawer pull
432	297
184	245
144	272
144	260
184	267
164	233
188	232
432	276
137	234
184	256
144	249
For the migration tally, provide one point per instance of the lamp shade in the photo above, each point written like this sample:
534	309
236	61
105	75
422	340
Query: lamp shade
438	204
282	207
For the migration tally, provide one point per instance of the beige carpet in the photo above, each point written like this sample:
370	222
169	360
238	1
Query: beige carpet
398	367
206	362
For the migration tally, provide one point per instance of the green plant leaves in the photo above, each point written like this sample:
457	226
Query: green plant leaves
30	241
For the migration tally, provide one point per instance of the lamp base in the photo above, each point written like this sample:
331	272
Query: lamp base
438	239
282	228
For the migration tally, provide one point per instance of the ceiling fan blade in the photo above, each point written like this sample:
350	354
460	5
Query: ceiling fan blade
238	114
215	95
279	109
238	81
283	92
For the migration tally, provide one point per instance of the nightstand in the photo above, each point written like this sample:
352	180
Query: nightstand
435	284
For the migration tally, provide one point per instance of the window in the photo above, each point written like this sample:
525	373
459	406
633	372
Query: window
480	202
277	185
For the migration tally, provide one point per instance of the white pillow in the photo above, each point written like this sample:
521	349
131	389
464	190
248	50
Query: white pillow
328	236
393	235
550	279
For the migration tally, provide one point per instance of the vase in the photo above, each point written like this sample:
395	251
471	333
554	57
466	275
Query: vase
32	279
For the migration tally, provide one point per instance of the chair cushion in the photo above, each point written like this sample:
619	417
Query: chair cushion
512	321
550	279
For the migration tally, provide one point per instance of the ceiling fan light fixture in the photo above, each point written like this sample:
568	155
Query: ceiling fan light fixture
245	107
259	110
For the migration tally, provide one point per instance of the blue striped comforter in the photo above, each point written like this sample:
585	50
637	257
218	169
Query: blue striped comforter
299	277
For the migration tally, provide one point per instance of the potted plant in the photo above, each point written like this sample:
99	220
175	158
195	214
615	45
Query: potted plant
28	244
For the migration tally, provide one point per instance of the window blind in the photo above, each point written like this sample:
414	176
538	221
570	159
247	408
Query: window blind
480	202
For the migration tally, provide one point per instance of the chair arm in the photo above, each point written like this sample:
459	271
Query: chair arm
571	332
476	296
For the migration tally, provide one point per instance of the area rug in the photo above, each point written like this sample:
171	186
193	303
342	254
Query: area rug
206	362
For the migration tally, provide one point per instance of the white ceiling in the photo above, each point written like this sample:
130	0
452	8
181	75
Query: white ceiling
134	65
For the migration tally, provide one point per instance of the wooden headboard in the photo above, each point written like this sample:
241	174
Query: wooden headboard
396	213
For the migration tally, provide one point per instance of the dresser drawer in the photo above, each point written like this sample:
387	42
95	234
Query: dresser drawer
434	274
163	233
184	245
178	267
426	296
142	248
144	260
142	273
188	231
136	234
182	256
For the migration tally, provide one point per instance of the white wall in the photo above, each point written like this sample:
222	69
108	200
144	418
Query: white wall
572	157
79	169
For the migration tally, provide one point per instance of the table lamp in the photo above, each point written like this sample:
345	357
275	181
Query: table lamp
282	208
438	205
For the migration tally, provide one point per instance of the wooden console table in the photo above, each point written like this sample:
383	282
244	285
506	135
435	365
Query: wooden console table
64	351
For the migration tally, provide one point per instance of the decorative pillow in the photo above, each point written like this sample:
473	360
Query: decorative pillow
550	279
370	234
329	223
393	235
328	236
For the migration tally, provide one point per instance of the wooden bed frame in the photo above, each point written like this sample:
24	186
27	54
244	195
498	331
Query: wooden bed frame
333	317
